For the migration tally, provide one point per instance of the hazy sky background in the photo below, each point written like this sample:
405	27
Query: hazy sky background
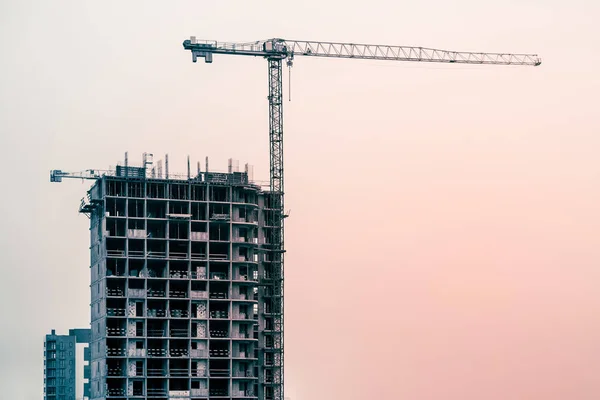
443	242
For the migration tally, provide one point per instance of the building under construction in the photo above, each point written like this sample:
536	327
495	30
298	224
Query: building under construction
183	301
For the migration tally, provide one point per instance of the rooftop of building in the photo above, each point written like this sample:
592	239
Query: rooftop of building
81	335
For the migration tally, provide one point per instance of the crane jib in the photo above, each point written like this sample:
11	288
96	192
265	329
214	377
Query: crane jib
280	49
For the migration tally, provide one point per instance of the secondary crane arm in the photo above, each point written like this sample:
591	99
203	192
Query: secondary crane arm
56	175
281	48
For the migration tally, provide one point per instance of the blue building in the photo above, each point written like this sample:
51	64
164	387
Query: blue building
60	366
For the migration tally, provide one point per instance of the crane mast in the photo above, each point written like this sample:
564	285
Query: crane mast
271	373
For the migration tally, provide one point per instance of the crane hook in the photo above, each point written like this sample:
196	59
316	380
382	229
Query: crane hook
290	63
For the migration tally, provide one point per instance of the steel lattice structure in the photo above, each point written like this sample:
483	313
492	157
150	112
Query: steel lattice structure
275	51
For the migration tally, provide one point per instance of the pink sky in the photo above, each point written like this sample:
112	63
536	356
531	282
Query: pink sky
443	239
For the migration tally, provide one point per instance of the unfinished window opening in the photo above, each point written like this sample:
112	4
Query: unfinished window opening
268	377
178	269
247	196
218	310
218	329
267	291
156	209
139	328
219	193
269	358
199	231
136	228
115	287
157	348
115	188
157	268
219	251
115	367
198	211
179	208
218	348
156	308
157	288
136	224
241	311
219	387
218	290
242	350
219	212
218	368
115	267
179	309
115	347
115	307
241	330
115	227
242	213
199	286
136	267
157	229
115	207
178	348
198	250
156	328
243	388
219	232
240	272
156	190
219	271
246	215
241	234
178	249
241	292
178	191
179	329
198	192
135	209
135	189
155	368
156	248
139	308
115	327
195	330
136	288
239	196
179	368
179	230
135	248
268	324
178	289
178	384
243	254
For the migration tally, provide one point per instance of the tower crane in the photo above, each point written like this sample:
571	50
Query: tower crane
275	51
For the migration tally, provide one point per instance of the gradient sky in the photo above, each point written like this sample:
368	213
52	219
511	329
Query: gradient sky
443	242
